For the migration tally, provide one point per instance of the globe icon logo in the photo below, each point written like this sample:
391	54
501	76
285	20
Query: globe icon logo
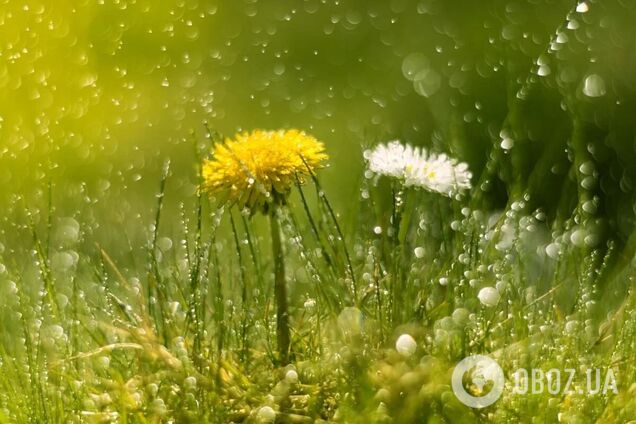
478	381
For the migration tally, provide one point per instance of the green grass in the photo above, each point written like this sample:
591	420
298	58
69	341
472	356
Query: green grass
186	331
127	296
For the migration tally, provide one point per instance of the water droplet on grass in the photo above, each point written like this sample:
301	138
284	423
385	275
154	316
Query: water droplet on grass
427	82
489	296
507	143
406	345
578	237
582	7
594	86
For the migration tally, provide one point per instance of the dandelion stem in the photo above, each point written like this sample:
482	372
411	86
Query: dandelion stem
280	289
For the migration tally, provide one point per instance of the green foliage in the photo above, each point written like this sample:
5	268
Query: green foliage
128	296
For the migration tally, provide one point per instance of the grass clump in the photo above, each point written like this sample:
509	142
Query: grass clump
302	323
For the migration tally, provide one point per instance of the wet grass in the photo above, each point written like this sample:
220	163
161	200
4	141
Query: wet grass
186	331
127	295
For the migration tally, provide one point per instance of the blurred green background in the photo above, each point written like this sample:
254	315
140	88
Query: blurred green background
536	95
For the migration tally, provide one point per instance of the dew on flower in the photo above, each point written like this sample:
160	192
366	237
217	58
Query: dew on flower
251	167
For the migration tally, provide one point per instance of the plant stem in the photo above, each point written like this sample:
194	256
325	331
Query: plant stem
280	290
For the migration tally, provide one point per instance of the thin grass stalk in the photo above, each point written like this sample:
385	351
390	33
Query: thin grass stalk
32	352
46	274
155	291
254	254
283	337
323	198
196	269
378	293
397	279
341	237
333	300
312	224
195	293
219	312
75	324
244	292
49	219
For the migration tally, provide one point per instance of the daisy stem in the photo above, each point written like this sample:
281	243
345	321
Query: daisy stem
280	289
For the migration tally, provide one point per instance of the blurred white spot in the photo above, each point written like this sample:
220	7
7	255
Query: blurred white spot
405	345
460	316
489	296
68	230
507	143
544	70
427	82
414	64
266	415
291	376
594	86
578	238
582	7
552	250
350	321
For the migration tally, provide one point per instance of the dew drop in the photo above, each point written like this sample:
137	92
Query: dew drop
594	86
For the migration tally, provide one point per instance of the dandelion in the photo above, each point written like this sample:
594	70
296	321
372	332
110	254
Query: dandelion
257	170
414	167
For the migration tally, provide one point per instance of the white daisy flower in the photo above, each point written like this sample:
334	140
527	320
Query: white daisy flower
414	167
441	174
391	159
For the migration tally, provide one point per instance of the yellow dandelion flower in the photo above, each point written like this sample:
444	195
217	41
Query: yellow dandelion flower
256	167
